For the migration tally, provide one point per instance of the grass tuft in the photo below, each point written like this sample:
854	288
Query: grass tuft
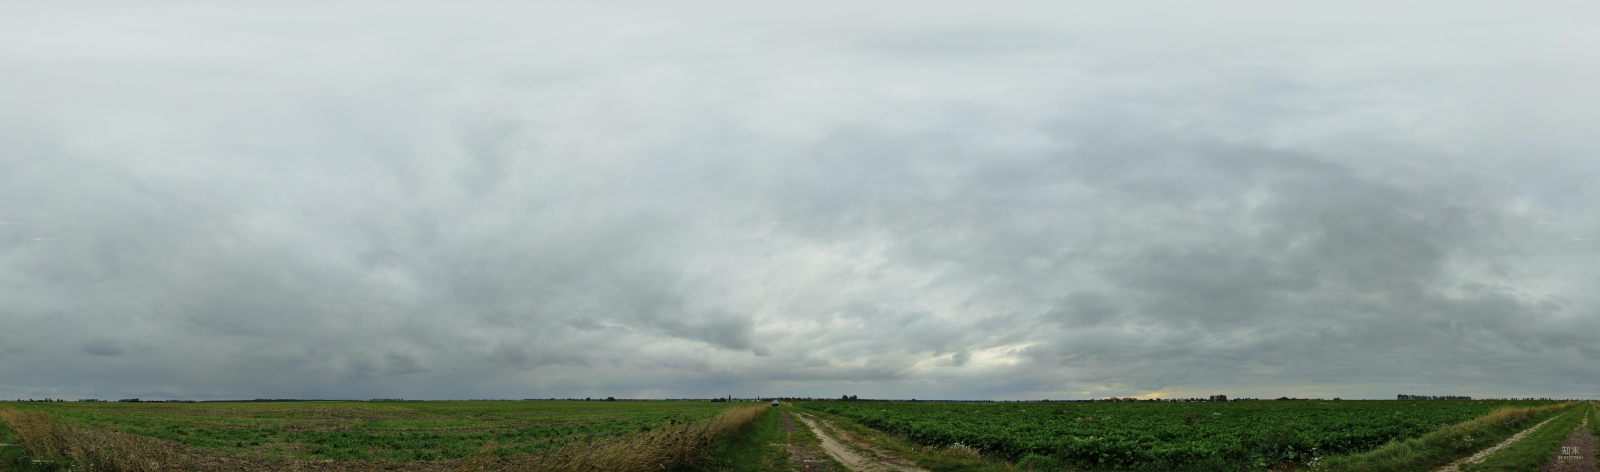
961	451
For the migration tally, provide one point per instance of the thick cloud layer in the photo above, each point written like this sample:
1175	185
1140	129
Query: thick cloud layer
907	200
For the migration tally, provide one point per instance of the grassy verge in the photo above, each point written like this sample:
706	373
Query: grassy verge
1444	445
1533	450
677	447
45	439
950	459
1594	418
762	446
1591	413
14	457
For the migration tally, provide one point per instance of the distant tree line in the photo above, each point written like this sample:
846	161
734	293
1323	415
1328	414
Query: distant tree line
1431	397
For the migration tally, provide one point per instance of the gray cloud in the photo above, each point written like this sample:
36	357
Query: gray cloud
1030	201
102	348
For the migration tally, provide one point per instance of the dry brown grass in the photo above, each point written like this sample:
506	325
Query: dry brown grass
675	446
89	449
678	446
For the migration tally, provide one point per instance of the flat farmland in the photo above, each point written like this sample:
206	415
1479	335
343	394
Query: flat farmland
1239	435
389	432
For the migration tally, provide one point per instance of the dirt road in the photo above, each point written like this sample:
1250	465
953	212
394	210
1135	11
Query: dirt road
1484	454
1576	453
866	460
808	458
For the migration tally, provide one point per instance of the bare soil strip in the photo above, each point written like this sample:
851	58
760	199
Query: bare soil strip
856	462
1577	452
808	459
1484	454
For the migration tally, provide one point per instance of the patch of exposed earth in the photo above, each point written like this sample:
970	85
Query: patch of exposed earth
808	459
860	458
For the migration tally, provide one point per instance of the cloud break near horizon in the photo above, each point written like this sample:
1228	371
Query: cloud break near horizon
1018	200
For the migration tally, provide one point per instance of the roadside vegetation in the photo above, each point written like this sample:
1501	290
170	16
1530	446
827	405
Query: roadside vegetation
759	447
12	456
1593	416
1535	449
805	446
1447	444
685	446
949	458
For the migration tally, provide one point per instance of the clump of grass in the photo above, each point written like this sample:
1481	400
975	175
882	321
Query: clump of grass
961	451
1038	462
1443	445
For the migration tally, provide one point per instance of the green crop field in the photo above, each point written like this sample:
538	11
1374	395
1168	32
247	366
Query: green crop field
379	431
1248	435
698	435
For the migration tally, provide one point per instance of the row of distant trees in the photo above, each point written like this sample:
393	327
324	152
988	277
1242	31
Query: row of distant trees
55	400
1431	397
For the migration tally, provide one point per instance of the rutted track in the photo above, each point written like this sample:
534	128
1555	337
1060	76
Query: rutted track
1484	454
1577	453
848	456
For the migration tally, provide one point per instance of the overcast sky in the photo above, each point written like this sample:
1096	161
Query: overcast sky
1006	200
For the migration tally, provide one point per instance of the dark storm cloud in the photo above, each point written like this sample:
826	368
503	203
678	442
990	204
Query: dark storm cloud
1040	201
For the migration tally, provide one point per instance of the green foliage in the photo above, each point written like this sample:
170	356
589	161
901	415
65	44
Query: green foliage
934	459
750	450
1534	450
1036	462
1593	414
1165	436
392	431
1445	445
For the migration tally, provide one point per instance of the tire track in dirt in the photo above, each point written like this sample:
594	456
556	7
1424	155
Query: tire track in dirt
1484	454
848	456
808	460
